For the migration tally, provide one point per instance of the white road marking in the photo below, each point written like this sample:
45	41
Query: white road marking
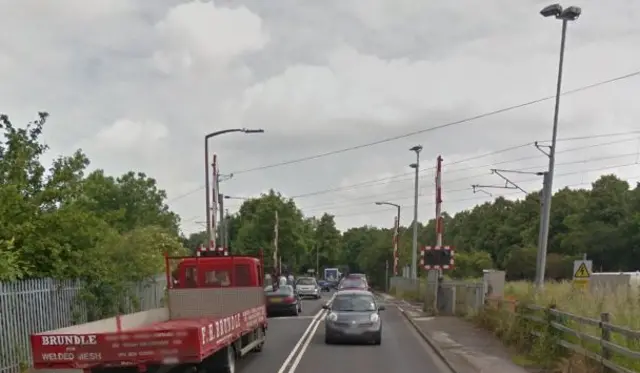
313	325
296	362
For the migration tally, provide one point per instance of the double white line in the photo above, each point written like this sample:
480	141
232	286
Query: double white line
290	364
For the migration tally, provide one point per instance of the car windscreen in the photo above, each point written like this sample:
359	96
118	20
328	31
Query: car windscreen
353	283
306	281
353	303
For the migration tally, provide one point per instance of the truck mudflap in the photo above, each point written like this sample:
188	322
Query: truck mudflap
168	343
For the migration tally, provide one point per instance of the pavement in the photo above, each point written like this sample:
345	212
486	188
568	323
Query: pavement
296	344
464	347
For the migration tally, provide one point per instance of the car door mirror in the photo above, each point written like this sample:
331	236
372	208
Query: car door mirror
381	308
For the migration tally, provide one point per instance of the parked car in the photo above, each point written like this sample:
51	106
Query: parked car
283	300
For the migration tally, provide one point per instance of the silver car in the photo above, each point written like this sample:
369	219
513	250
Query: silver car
354	315
308	287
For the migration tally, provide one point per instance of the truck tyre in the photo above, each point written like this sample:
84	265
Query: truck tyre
229	365
259	334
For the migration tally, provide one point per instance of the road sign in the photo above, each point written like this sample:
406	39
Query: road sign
437	257
582	270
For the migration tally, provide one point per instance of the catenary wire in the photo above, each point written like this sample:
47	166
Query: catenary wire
409	176
392	177
440	126
380	211
423	194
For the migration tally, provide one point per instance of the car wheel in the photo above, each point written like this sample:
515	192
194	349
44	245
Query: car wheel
296	311
328	340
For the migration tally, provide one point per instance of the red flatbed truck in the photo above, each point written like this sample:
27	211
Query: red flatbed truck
215	314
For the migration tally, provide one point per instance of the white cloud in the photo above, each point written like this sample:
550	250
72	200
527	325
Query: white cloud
129	135
200	34
139	83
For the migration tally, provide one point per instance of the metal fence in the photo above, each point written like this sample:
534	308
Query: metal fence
38	305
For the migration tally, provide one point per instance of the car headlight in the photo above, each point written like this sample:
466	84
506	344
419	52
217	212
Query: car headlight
374	317
332	317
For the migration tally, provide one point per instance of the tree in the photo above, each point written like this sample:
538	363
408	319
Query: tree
326	241
57	222
255	229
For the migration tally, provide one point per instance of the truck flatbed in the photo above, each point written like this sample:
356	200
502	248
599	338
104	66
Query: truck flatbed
165	342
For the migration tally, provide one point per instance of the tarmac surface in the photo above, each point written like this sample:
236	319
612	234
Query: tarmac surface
296	344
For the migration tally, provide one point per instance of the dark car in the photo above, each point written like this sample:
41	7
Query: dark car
353	316
324	285
283	300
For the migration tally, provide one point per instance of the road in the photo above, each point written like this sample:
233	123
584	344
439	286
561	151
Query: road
297	345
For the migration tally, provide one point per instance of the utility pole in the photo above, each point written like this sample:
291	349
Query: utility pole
317	258
213	209
396	234
223	223
439	224
226	229
211	224
275	245
565	15
438	210
386	276
414	247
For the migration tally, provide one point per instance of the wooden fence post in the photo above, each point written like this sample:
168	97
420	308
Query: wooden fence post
605	318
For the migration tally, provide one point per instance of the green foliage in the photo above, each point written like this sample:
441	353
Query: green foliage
603	223
59	222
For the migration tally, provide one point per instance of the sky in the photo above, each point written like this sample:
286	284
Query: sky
137	85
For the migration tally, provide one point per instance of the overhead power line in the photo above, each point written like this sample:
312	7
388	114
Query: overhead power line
437	127
397	177
485	197
372	198
409	176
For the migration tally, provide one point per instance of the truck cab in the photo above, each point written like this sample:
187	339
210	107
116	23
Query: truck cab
218	272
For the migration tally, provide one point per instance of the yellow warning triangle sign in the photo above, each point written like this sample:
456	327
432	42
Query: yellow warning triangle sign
582	272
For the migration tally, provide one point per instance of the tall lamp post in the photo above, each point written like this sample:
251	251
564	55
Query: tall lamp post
414	247
394	205
207	182
565	15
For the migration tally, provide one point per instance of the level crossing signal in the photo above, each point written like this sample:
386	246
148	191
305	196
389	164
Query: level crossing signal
437	257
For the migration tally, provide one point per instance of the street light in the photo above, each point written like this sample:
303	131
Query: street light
414	247
210	232
391	204
565	15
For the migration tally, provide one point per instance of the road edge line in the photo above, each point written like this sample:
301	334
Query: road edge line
428	340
